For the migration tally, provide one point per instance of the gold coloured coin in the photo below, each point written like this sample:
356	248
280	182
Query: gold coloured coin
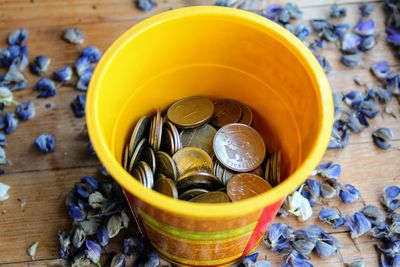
152	132
148	174
166	165
126	157
168	142
247	115
211	197
191	193
137	154
246	185
158	132
226	111
202	180
140	132
166	186
239	147
201	137
175	133
192	158
191	112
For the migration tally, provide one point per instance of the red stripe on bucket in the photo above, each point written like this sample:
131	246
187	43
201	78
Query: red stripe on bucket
263	223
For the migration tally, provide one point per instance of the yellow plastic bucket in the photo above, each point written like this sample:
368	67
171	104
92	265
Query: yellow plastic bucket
215	52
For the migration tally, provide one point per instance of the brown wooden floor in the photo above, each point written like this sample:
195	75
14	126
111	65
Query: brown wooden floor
42	181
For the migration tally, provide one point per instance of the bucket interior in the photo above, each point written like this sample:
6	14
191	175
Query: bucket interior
217	58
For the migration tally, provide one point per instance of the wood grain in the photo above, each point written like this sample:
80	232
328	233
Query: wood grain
41	181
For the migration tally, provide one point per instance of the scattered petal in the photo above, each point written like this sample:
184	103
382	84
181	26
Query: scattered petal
351	60
92	251
32	250
118	260
391	197
46	87
340	135
82	64
40	65
393	36
324	63
145	5
3	158
299	206
227	3
78	236
365	27
338	12
6	96
91	182
4	191
10	122
18	37
45	143
96	200
374	214
114	225
83	82
131	245
92	53
349	43
63	74
15	80
65	243
102	235
367	43
383	138
76	213
358	224
348	193
324	249
329	170
25	110
367	9
73	35
78	106
381	69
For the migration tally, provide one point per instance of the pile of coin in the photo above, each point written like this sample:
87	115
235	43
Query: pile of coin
202	151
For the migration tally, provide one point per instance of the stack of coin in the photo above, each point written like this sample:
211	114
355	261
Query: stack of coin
201	151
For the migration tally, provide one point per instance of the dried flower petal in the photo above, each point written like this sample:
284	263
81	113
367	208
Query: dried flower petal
393	36
324	63
78	106
299	206
368	108
102	235
340	135
374	214
76	213
327	191
73	35
15	80
18	37
328	170
381	69
78	236
118	260
301	31
148	258
382	138
92	53
273	12
91	182
46	87
4	191
380	94
82	64
317	45
96	200
358	224
365	27
367	43
331	217
63	74
9	122
132	244
324	249
351	60
304	247
45	143
341	29
83	82
65	243
337	12
25	110
348	193
6	96
92	251
349	43
391	197
114	225
32	250
145	5
354	98
40	65
3	157
227	3
367	9
89	226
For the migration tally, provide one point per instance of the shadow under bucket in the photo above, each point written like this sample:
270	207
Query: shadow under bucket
214	52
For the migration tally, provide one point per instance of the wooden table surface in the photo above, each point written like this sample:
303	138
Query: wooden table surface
42	181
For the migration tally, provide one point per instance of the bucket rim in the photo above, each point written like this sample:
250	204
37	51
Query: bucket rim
223	210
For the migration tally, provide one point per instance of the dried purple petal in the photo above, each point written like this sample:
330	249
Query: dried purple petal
25	110
102	235
368	108
295	259
301	31
46	87
92	53
393	36
367	43
82	64
348	193
380	94
227	3
3	139
337	12
82	190
145	5
357	122
78	236
278	237
118	260
367	9
273	12
65	243
349	43
324	249
354	98
92	251
327	191
15	80
324	29
324	63
18	37
96	200
293	10
358	224
9	122
391	197
63	74
304	247
90	226
91	182
340	135
317	45
365	27
381	69
73	35
382	138
45	143
20	62
40	65
131	245
393	83
76	213
6	96
331	217
374	214
341	29
83	82
90	148
78	106
351	60
329	170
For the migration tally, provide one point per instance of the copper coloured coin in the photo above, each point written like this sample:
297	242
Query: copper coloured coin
166	186
211	197
191	112
246	185
226	111
239	147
